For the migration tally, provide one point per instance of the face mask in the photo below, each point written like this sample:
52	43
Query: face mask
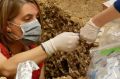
31	30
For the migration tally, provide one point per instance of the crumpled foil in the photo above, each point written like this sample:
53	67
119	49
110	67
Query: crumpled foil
25	69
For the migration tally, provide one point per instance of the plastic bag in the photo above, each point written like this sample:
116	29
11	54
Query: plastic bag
111	33
25	69
105	62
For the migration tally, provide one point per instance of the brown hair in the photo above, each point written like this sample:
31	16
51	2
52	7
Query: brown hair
9	9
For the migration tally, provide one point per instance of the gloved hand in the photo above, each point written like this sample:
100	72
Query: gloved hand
89	32
66	41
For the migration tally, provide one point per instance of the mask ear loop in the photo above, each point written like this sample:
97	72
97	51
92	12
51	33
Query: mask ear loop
20	28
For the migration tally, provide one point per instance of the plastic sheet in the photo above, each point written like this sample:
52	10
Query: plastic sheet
25	69
105	63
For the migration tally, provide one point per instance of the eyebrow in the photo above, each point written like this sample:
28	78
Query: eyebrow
28	15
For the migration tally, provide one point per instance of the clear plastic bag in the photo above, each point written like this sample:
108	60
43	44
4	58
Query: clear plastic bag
105	63
111	33
25	69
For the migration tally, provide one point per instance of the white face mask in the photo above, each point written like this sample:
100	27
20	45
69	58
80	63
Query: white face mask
31	30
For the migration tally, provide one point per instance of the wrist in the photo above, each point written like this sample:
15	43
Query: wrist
92	22
49	47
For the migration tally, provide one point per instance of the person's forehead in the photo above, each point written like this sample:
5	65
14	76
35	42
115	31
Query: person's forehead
29	8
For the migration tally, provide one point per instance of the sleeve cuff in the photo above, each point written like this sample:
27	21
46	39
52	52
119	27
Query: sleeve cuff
117	5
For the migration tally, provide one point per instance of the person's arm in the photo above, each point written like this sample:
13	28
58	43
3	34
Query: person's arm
91	29
105	16
8	67
109	14
66	41
42	75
